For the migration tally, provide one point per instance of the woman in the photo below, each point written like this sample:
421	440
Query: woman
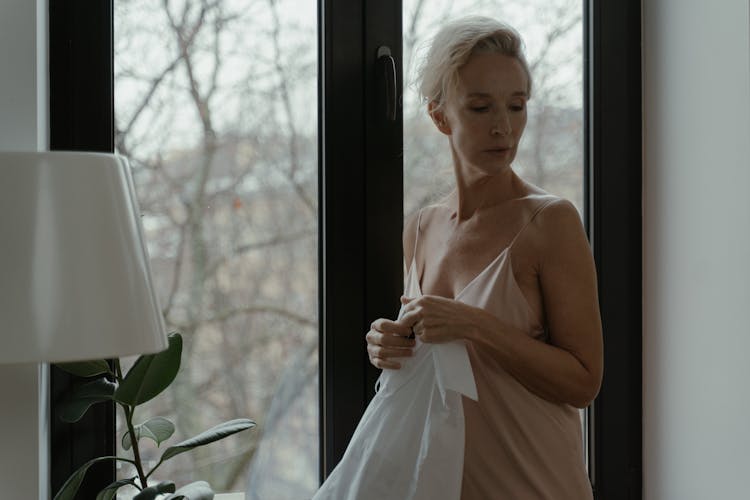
506	268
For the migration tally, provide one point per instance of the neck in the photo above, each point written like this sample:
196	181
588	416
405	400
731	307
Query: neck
477	190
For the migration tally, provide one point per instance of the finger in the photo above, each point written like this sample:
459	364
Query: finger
408	304
436	335
406	300
397	341
425	335
412	317
373	337
387	326
420	330
387	353
383	364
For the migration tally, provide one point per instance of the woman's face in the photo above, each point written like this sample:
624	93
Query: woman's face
486	114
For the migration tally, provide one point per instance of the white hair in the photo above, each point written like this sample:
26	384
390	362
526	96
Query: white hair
455	43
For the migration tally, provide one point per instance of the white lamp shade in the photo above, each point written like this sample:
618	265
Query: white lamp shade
75	281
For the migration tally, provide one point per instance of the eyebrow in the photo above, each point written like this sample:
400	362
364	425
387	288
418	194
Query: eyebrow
518	93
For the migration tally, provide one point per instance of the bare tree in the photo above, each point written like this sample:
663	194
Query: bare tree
214	241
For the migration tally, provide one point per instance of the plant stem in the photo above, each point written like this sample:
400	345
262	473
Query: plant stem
118	370
161	460
129	411
134	441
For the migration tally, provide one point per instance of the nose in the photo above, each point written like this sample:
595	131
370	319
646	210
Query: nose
501	124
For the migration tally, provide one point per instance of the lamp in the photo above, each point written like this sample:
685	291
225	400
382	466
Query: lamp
75	281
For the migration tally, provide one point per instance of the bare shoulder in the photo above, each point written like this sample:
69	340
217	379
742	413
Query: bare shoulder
409	237
416	224
560	233
559	216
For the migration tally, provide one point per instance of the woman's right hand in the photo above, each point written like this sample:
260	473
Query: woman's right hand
387	341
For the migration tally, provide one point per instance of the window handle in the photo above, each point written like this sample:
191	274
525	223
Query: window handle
385	60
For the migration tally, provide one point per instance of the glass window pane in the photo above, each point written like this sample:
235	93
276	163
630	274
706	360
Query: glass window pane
216	108
551	150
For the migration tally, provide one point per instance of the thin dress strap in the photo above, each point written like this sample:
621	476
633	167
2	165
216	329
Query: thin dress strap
533	216
413	268
416	233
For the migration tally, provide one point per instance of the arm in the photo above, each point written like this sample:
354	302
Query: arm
569	368
386	339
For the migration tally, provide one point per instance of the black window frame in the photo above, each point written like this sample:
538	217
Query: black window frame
361	215
614	222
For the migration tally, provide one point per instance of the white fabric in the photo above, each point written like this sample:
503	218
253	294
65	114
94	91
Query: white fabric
409	444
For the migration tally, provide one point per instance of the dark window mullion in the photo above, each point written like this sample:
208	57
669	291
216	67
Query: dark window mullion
341	225
614	116
383	164
361	207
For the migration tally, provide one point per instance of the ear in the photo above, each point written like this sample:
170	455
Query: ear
438	117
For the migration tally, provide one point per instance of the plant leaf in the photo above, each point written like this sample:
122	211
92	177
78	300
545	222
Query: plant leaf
213	434
70	487
199	490
85	368
84	396
159	429
153	491
110	491
151	374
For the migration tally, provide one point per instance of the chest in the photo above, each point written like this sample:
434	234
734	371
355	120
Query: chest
449	262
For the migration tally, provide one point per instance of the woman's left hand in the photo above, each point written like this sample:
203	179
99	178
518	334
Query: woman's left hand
437	319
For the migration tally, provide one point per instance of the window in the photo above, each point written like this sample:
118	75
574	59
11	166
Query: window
215	106
357	284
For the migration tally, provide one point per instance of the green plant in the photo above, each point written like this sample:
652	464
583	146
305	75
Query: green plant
147	378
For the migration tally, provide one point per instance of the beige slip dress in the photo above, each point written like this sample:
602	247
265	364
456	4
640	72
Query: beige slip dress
518	446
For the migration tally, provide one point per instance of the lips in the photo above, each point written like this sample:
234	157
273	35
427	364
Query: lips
498	149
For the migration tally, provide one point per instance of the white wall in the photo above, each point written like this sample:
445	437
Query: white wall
23	127
696	249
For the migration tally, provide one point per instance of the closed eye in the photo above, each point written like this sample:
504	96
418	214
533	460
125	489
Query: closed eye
480	109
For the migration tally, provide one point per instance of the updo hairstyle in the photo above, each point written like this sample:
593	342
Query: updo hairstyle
454	44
